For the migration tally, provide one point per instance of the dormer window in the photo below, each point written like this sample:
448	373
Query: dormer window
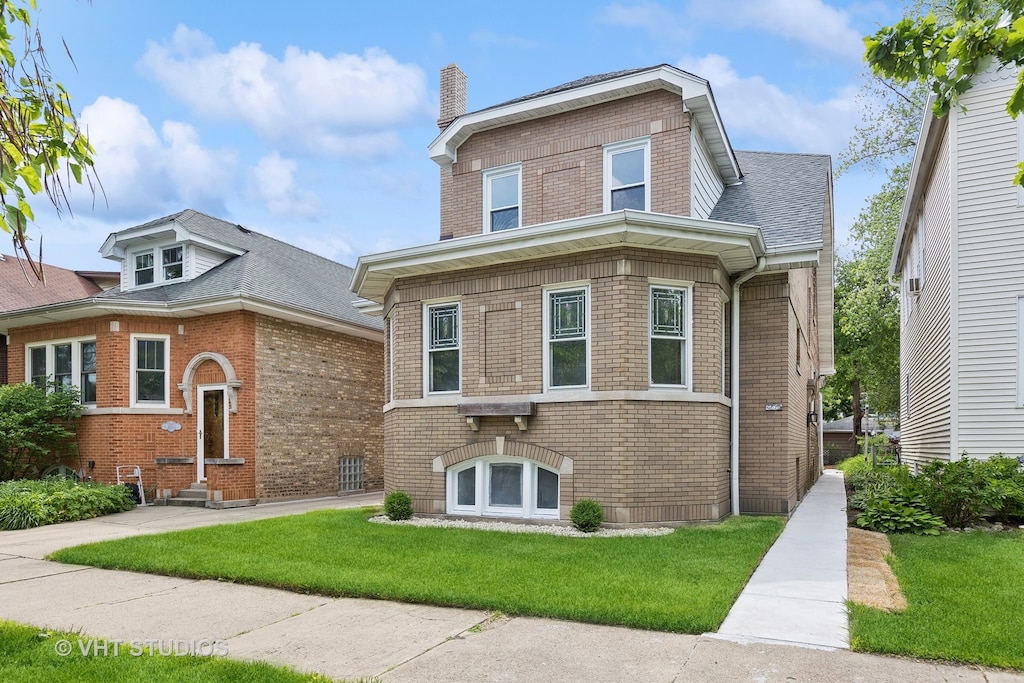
171	265
627	172
502	198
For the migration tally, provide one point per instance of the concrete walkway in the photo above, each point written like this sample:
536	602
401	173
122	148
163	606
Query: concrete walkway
797	594
350	638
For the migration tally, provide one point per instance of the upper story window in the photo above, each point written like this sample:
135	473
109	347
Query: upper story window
502	198
567	337
67	363
669	336
145	265
443	348
627	175
150	363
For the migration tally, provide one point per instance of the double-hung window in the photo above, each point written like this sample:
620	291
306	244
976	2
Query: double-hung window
161	264
567	337
627	174
502	198
669	335
443	348
150	361
66	363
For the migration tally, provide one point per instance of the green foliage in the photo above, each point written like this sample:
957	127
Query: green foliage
853	465
963	490
685	581
949	51
36	428
398	506
42	148
895	517
31	503
587	515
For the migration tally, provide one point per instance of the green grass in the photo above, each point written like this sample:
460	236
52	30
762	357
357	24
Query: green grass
965	596
682	582
29	654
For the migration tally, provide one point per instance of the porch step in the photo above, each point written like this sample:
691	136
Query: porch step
194	496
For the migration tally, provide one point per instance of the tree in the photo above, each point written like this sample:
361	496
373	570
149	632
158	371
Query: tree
37	427
949	51
42	148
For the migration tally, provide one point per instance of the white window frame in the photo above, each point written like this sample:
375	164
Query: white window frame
427	307
686	287
492	174
157	252
555	289
76	360
480	508
133	367
611	150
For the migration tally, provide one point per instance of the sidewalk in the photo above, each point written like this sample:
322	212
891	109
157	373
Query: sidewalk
353	638
797	595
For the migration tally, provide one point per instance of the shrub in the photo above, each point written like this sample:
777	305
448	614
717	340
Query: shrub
25	504
587	515
398	506
36	427
896	517
854	465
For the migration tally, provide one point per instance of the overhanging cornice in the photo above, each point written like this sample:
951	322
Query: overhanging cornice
738	246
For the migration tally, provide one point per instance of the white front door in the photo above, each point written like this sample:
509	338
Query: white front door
211	426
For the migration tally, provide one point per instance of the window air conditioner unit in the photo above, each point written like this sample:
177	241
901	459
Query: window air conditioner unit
914	285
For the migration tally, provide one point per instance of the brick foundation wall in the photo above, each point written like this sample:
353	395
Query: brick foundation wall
319	397
643	461
563	162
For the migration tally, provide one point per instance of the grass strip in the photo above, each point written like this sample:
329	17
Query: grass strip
964	600
684	582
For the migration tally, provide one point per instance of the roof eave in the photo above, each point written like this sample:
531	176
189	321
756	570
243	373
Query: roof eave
738	246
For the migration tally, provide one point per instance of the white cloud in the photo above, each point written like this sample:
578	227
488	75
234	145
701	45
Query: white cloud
811	23
142	171
329	246
274	184
342	105
754	109
650	16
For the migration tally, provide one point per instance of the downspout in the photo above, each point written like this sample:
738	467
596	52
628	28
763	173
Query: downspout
734	367
821	430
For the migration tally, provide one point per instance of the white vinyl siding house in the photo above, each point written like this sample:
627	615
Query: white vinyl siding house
960	345
706	184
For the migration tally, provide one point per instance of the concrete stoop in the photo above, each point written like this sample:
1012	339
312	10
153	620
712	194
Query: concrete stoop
197	496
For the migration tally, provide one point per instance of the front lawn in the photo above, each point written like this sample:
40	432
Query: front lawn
965	598
685	582
28	653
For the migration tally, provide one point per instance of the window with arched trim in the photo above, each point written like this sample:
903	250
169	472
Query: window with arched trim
498	486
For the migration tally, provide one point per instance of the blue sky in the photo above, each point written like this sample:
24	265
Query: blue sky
310	122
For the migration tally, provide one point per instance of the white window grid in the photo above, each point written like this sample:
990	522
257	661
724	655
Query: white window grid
575	301
63	362
610	151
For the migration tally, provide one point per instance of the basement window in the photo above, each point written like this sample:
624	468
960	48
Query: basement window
503	487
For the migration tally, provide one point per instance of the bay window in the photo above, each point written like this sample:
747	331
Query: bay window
669	336
443	360
66	363
567	337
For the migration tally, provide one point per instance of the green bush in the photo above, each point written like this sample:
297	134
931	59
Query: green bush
31	503
897	517
587	515
398	506
854	465
36	428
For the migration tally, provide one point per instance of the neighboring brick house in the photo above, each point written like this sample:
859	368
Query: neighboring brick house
958	255
227	363
19	288
575	332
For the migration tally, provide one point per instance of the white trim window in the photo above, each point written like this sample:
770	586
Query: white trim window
442	339
503	487
627	175
503	197
66	363
150	367
670	338
144	265
567	337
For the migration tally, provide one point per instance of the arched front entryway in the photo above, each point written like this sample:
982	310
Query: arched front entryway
213	401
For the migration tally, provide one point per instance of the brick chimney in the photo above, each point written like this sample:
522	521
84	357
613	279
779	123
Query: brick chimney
453	95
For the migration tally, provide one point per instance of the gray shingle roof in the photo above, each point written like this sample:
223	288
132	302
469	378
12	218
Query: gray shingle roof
784	194
269	270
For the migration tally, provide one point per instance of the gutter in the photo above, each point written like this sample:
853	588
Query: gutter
734	367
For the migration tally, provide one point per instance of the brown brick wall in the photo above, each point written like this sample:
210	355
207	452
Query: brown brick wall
3	359
563	162
319	397
643	461
507	359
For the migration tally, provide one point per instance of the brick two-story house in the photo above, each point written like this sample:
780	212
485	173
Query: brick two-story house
620	307
231	367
